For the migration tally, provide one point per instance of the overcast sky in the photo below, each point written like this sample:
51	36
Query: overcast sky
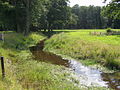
88	2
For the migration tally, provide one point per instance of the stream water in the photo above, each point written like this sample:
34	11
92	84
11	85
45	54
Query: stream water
86	75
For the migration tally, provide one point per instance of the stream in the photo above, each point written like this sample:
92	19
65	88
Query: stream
86	75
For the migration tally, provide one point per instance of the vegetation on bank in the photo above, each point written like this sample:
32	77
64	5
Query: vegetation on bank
22	72
103	49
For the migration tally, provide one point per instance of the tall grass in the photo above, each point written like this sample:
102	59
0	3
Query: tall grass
22	72
43	76
80	45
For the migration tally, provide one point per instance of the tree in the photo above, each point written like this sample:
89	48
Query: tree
6	16
58	14
72	22
112	13
22	13
29	14
88	17
112	10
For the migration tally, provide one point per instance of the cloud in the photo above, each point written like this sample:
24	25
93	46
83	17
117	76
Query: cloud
88	2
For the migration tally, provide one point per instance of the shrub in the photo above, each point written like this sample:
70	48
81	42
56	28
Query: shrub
109	30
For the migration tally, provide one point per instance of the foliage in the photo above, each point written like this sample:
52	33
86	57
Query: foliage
58	14
109	30
91	17
6	21
112	10
24	16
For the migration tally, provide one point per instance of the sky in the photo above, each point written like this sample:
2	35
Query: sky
88	2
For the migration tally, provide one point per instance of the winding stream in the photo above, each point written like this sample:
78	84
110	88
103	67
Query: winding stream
86	75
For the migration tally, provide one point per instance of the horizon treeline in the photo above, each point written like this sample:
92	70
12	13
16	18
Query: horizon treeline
31	15
91	17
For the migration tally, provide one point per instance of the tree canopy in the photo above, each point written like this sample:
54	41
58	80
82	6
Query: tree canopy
23	15
112	10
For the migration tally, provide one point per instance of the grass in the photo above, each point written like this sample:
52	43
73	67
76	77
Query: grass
81	45
77	30
22	72
44	76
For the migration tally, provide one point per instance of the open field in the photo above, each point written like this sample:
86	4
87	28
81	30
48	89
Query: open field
103	49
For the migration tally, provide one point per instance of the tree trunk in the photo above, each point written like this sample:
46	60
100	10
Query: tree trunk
27	29
17	18
18	28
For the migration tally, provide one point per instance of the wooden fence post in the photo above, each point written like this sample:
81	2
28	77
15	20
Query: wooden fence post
2	67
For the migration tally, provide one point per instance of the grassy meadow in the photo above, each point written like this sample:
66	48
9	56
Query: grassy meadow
80	44
25	73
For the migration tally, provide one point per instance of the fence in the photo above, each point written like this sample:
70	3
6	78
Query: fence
2	67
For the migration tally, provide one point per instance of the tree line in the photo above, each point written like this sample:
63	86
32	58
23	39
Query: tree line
24	16
91	18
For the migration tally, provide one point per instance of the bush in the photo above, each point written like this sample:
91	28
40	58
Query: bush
109	30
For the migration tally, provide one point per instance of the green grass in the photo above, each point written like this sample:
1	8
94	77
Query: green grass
15	42
39	75
81	45
22	72
84	35
77	30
